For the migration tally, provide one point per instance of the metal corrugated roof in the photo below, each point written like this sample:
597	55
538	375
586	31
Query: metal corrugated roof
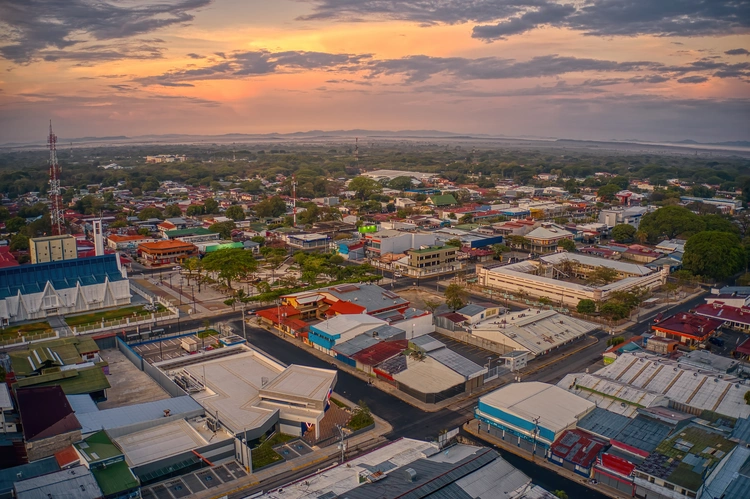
356	344
457	363
428	343
643	433
138	413
742	430
604	423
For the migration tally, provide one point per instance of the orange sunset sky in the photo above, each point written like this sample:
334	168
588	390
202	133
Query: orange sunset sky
596	69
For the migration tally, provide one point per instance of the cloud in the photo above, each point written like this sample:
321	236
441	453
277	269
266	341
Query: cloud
693	79
737	52
498	19
196	56
32	27
649	79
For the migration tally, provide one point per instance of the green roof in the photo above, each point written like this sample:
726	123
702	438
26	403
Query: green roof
73	382
69	350
443	200
216	247
468	227
115	478
194	231
98	447
689	446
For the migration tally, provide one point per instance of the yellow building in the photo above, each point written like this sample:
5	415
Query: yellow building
53	248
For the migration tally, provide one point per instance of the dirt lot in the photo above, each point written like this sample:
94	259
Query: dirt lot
417	297
129	384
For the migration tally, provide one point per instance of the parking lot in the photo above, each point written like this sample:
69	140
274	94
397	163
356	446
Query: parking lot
190	484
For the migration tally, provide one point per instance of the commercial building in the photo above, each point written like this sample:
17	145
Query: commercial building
107	463
52	248
48	422
166	252
429	261
531	415
646	380
576	451
411	468
618	216
723	204
546	238
128	242
733	317
30	292
309	242
382	242
192	235
76	482
687	328
560	277
165	158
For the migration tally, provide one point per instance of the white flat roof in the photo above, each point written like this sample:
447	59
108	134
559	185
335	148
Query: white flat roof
159	442
428	375
555	407
629	268
303	381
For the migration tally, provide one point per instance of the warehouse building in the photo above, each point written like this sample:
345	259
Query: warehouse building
531	415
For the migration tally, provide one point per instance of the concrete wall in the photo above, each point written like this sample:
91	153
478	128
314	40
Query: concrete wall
39	449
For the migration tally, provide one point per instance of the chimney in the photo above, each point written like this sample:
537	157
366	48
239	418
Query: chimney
98	238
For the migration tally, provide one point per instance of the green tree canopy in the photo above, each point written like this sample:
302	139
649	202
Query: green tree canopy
400	183
150	212
454	242
607	192
455	296
230	264
364	187
717	255
669	222
173	210
223	228
720	223
236	213
210	206
567	245
586	306
623	233
271	207
15	224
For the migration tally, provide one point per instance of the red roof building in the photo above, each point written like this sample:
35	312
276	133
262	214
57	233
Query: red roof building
577	451
285	318
371	356
343	307
6	257
736	317
687	328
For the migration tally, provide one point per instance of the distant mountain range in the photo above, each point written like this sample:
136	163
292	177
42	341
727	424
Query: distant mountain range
735	143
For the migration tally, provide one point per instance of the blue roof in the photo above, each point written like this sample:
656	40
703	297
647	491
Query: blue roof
603	423
10	476
33	278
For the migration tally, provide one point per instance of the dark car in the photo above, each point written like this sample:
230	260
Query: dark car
716	341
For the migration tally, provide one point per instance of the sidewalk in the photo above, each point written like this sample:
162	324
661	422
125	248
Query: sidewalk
207	302
358	443
472	427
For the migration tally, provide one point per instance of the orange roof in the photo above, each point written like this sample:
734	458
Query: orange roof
67	457
343	307
167	245
119	239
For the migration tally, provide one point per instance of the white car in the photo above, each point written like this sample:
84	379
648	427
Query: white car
397	274
177	268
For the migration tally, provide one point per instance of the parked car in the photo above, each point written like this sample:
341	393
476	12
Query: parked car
716	341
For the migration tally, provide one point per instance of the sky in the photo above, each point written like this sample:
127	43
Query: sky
581	69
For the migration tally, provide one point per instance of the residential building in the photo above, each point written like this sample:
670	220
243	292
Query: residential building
441	200
52	248
618	216
546	238
119	242
166	252
166	158
29	292
531	415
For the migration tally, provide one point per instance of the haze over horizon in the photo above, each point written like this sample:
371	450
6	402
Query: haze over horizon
601	69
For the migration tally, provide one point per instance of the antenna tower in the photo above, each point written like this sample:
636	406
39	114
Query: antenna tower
294	199
56	208
356	152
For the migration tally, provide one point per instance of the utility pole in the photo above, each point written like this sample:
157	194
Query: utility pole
341	445
244	333
536	431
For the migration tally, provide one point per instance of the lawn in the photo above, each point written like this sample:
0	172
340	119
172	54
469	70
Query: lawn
279	438
263	455
339	403
110	315
207	333
26	330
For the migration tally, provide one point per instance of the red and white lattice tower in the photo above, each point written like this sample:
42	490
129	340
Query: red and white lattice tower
56	207
294	199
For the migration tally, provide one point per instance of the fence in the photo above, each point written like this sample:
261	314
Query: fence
97	327
156	374
26	339
130	354
140	290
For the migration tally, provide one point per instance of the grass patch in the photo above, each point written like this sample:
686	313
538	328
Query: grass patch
591	390
111	315
362	418
33	328
263	455
207	333
339	403
279	438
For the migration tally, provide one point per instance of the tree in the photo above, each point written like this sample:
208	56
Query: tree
466	219
615	341
454	242
195	210
223	228
561	494
236	213
614	310
623	233
400	183
173	210
19	242
150	212
271	207
567	245
717	255
210	206
431	305
586	306
230	264
144	231
15	224
602	275
364	187
4	213
670	222
455	296
193	267
720	223
607	192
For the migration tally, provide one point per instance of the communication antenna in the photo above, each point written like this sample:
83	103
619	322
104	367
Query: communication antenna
56	209
294	199
356	152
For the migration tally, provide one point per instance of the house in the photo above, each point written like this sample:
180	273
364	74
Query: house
441	200
687	328
404	203
734	317
49	423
